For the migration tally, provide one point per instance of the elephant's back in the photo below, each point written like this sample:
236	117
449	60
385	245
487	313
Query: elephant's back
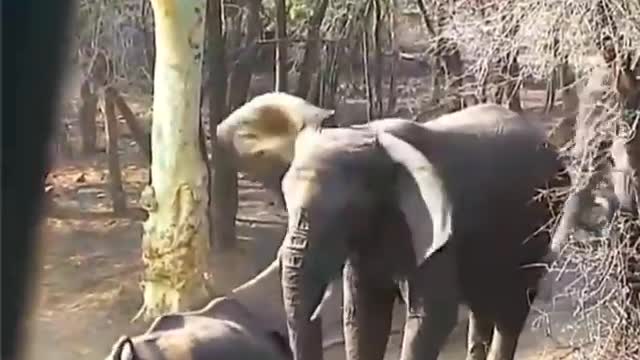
486	120
492	151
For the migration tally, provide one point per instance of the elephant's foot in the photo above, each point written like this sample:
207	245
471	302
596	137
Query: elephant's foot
425	335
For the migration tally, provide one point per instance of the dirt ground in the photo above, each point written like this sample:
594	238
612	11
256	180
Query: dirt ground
90	267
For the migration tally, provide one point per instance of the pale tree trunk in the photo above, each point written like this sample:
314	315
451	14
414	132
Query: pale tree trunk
175	242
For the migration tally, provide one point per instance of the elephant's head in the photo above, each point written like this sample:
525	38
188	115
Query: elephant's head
338	180
259	136
625	150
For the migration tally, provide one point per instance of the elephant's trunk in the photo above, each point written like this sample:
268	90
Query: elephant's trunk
301	295
307	268
568	222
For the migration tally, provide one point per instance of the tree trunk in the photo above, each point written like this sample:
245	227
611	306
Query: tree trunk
281	48
62	145
312	49
367	75
240	78
395	53
509	91
139	135
552	81
149	41
176	234
233	26
512	87
568	92
87	117
115	177
377	58
224	192
225	175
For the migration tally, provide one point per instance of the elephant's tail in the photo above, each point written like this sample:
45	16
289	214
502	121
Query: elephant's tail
119	348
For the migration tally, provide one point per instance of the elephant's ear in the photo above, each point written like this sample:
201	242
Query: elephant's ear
269	124
421	197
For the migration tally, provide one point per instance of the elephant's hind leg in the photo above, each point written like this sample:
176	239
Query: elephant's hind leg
479	336
367	314
432	297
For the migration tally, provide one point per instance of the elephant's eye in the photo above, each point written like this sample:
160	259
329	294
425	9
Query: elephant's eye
259	153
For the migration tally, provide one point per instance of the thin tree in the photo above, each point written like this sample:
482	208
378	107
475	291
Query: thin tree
175	241
240	77
118	196
312	51
281	47
224	190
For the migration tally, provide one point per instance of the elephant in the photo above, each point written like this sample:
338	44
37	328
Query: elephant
619	157
610	104
258	137
247	324
418	212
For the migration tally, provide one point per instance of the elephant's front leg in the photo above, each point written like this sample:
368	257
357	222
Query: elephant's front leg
432	297
479	336
368	308
514	305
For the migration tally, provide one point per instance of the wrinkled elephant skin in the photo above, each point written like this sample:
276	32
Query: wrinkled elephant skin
225	331
436	214
618	160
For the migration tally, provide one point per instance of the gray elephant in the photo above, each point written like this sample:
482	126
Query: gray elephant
250	323
258	137
609	103
438	214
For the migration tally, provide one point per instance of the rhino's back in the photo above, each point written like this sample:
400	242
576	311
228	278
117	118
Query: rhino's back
207	339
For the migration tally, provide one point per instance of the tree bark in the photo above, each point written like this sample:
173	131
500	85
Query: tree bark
395	53
312	49
87	117
367	75
175	244
62	144
149	41
142	138
447	64
224	191
115	177
240	78
281	47
509	91
377	58
552	81
512	87
233	26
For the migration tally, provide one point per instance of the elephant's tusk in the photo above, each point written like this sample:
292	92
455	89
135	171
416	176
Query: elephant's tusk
325	297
